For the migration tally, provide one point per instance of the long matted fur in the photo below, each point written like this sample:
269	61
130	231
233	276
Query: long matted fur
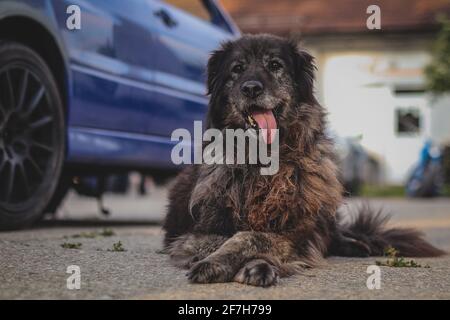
229	222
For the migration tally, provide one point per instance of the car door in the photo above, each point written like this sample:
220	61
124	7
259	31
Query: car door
112	61
186	32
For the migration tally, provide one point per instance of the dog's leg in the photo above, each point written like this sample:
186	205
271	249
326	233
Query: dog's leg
249	257
190	248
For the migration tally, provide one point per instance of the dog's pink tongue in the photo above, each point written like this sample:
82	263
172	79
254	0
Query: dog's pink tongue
266	120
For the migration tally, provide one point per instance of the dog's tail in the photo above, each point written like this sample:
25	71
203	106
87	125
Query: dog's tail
367	229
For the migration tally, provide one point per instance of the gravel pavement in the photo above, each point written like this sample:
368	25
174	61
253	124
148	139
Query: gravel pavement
33	264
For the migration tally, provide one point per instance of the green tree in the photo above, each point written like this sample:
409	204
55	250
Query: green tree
438	71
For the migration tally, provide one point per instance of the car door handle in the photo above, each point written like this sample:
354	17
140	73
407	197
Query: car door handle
166	18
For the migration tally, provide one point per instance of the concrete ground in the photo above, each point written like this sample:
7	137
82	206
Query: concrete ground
33	264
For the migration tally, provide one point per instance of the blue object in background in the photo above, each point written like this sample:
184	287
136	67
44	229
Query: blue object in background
426	179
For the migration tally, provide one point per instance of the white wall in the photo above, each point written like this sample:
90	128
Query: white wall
358	88
440	118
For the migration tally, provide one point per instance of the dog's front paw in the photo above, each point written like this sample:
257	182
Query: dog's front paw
257	272
208	271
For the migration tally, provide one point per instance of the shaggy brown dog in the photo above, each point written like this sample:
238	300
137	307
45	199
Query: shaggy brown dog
229	222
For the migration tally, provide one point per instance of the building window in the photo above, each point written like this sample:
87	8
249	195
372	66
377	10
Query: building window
408	121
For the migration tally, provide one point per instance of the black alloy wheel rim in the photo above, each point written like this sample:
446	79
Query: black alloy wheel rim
27	135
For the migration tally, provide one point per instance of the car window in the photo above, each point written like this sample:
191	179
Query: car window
196	8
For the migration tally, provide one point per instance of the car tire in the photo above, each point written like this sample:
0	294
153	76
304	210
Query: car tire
32	136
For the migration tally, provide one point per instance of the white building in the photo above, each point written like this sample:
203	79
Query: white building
375	91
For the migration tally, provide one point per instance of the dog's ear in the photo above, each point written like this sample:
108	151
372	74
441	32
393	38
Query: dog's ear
215	66
304	73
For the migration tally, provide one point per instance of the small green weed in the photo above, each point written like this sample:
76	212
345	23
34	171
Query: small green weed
117	247
68	245
397	262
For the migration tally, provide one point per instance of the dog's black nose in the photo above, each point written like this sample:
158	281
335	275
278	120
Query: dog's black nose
252	89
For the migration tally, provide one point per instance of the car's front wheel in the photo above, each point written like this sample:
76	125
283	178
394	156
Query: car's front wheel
32	136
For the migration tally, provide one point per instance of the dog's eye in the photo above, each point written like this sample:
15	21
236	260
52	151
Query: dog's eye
275	65
239	68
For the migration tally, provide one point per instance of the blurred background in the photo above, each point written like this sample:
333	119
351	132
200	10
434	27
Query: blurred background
387	91
383	108
389	107
386	113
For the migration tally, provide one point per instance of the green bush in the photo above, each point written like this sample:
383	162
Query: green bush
438	71
382	191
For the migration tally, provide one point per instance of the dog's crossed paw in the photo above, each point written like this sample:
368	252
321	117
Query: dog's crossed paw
207	271
258	273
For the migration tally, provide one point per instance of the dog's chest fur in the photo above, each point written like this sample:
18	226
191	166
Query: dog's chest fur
228	199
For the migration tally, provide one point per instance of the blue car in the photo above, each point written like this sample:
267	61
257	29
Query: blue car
96	87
